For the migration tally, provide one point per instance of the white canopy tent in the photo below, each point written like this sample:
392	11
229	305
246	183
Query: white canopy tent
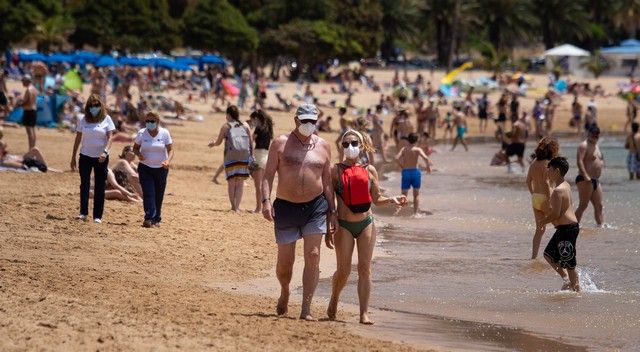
570	56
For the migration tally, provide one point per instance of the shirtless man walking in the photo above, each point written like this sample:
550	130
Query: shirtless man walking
518	139
433	115
590	164
30	114
304	206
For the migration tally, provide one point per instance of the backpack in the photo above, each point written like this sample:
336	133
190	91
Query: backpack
237	143
355	187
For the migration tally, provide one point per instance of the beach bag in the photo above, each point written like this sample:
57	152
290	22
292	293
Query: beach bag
355	187
237	143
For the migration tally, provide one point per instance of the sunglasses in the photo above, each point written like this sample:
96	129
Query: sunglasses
353	144
308	121
150	121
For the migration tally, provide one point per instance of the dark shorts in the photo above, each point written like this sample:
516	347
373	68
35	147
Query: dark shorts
594	181
294	220
502	117
562	246
482	114
31	162
29	118
3	99
515	149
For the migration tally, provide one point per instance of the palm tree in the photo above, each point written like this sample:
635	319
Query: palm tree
564	21
626	15
398	22
491	58
508	21
596	64
52	32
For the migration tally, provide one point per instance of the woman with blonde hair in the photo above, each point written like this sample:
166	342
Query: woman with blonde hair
94	132
538	185
356	185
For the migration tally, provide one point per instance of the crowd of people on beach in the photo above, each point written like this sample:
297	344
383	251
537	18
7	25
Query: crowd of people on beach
315	196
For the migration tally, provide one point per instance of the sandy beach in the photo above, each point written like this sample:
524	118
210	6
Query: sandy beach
202	280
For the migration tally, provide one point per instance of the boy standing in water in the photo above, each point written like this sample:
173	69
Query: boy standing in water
561	250
407	158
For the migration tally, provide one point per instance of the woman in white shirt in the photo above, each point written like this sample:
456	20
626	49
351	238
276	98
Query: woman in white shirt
94	132
153	146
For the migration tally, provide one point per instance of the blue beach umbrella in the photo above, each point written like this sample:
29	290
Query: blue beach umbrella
32	57
59	57
186	60
212	59
106	60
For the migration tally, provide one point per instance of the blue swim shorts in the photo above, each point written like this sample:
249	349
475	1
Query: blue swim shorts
411	178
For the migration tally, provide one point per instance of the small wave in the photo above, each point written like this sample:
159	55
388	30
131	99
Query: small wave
587	284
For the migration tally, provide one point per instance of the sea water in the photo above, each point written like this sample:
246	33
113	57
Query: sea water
461	278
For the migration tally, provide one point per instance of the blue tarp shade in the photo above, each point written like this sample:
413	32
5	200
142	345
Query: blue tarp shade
212	59
180	67
58	57
132	61
85	57
106	61
629	46
185	60
32	57
162	62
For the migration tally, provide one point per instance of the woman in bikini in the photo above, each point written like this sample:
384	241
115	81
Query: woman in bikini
538	186
356	185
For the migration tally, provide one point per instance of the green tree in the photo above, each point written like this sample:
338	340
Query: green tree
52	32
626	15
399	21
508	21
17	20
215	25
596	64
562	21
491	58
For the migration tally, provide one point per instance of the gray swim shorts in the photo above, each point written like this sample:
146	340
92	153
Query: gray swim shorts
294	220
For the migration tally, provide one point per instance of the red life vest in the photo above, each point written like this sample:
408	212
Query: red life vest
355	187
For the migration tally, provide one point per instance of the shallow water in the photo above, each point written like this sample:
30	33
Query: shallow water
462	277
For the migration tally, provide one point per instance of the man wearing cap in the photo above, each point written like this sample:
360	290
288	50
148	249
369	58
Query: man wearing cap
29	115
590	164
304	207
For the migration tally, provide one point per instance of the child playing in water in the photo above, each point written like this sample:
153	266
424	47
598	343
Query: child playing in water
408	158
561	250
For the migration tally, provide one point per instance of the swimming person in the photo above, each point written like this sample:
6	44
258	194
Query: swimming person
590	164
356	185
538	186
633	145
407	159
237	154
94	132
154	147
561	250
262	136
304	207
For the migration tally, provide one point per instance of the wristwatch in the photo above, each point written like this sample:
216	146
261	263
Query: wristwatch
333	211
264	200
105	152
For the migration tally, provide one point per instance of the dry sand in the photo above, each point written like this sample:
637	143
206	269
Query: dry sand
69	285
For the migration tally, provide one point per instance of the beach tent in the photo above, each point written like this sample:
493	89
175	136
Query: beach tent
571	58
47	110
106	60
622	59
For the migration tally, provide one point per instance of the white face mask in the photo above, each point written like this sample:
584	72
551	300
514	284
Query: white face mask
352	152
306	129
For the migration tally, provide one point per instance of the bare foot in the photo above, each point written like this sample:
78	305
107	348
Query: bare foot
215	180
566	286
308	317
332	310
258	210
364	319
283	304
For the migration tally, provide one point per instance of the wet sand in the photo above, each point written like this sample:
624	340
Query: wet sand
118	286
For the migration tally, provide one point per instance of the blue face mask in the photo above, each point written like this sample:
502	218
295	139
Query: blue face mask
94	110
151	125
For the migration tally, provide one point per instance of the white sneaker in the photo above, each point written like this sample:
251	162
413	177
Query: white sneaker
81	217
97	221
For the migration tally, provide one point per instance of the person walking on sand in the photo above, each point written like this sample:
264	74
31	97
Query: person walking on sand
356	186
30	113
538	185
633	145
590	165
460	121
94	132
560	253
304	206
154	147
407	159
238	153
262	136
